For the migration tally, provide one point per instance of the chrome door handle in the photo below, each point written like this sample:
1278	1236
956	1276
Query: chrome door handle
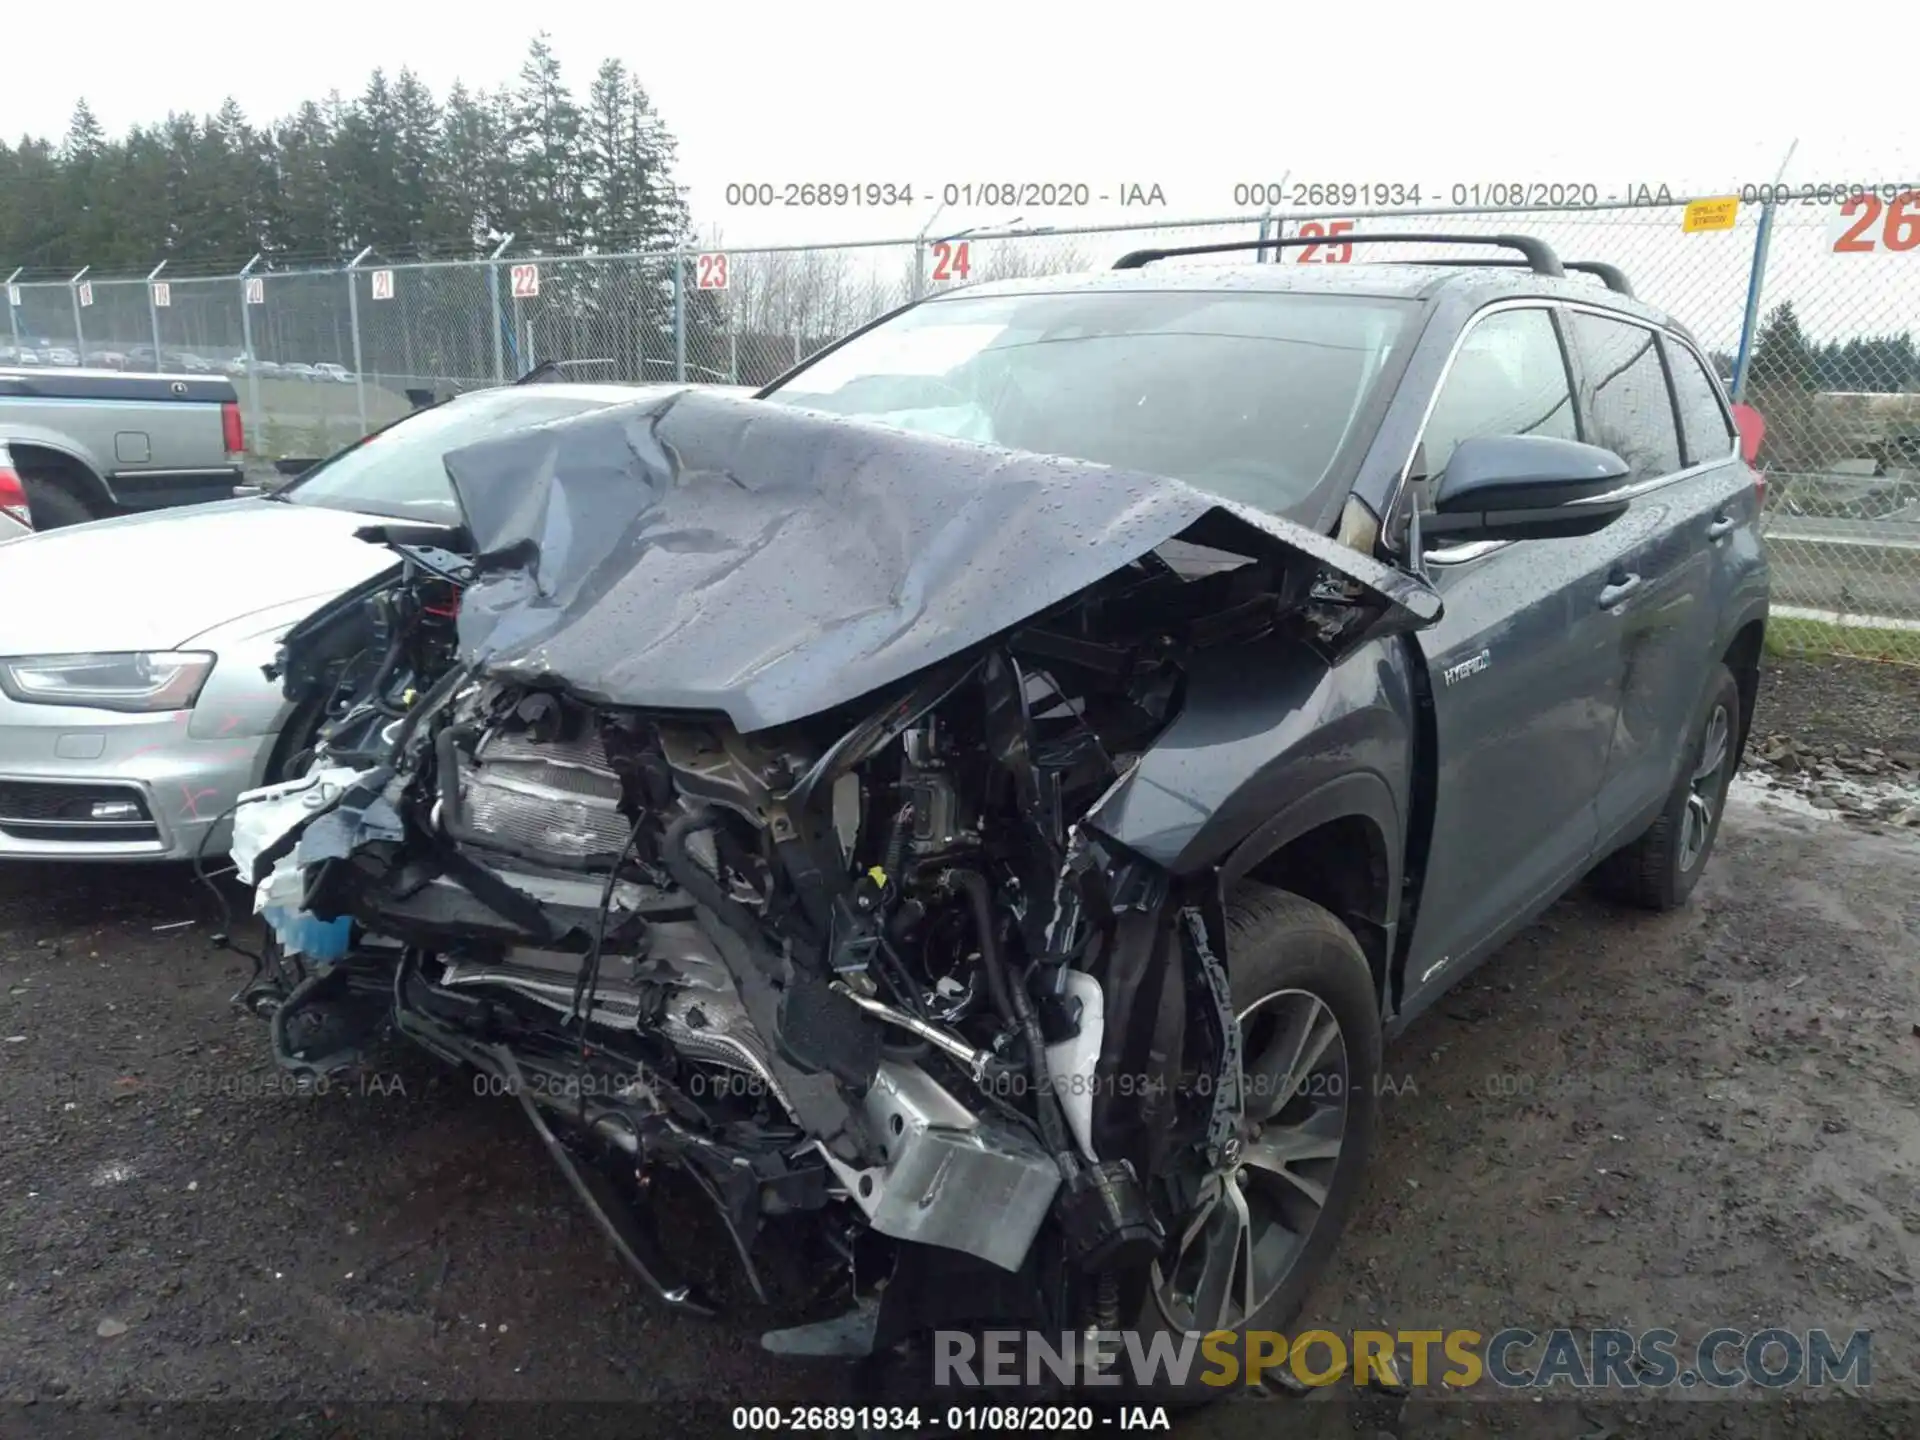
1721	527
1618	591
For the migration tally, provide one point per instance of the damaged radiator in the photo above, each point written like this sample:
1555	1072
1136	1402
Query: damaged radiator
558	798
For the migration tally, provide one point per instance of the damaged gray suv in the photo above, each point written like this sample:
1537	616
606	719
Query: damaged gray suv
973	814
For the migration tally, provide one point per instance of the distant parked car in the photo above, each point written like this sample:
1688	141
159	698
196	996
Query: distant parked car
195	364
60	355
330	371
110	359
300	371
268	369
88	443
235	367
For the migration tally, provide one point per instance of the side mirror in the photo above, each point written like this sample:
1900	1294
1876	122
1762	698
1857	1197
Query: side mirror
1525	487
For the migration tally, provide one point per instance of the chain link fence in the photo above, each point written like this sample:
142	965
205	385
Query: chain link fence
1810	308
1834	371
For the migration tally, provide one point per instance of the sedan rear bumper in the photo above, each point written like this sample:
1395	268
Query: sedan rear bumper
79	784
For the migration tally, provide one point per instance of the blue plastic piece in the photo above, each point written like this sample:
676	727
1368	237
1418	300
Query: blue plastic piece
300	933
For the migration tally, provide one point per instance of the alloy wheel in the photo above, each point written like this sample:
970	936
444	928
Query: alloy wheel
1250	1226
1705	788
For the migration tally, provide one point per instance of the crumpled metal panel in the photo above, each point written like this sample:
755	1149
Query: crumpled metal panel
711	552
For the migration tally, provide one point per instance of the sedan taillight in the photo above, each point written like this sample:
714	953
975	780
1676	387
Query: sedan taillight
13	495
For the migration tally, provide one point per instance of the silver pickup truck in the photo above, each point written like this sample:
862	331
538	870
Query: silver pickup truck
89	443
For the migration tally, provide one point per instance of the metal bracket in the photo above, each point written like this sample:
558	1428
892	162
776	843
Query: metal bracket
1223	1125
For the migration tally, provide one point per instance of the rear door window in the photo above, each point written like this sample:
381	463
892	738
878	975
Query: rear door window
1624	393
1705	430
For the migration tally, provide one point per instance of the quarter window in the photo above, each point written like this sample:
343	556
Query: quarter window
1507	378
1624	386
1703	422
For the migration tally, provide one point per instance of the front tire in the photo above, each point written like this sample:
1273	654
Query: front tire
1659	870
1261	1232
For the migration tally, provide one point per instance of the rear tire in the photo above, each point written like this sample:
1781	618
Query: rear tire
1659	870
52	506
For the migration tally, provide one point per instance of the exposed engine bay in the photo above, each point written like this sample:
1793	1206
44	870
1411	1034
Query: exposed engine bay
870	968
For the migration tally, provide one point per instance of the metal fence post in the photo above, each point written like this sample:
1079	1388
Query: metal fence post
254	422
918	285
493	309
499	318
153	315
1756	277
353	319
79	334
679	315
13	310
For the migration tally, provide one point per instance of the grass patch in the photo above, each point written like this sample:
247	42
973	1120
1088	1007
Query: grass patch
315	417
1793	636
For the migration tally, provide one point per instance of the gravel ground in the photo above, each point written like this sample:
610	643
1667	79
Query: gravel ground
1840	737
1846	702
1700	1119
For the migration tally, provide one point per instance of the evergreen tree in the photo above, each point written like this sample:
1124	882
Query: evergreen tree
416	142
86	164
364	167
41	228
607	177
544	148
138	195
85	139
1781	358
467	202
308	223
660	212
391	167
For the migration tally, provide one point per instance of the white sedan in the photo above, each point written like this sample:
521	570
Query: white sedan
133	707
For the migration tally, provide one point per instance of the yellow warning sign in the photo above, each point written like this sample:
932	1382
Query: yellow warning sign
1711	214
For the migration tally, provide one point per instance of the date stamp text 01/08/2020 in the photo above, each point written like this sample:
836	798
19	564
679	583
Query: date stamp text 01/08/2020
968	194
1466	195
1267	194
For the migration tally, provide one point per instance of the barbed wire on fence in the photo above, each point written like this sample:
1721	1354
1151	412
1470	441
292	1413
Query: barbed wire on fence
1813	310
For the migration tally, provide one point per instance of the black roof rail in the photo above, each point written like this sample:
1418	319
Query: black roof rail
1539	255
1612	276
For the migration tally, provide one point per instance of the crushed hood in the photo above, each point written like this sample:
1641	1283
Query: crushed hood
708	552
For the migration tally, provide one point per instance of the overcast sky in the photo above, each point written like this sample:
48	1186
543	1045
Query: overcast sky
1194	98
